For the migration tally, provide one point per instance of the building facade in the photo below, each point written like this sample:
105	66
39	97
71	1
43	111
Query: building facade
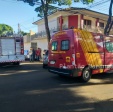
68	18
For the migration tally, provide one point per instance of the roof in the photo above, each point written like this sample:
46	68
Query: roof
83	11
74	8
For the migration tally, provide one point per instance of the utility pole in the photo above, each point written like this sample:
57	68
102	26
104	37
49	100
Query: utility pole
19	30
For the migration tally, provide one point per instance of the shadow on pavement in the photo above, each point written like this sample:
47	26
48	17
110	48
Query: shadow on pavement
30	88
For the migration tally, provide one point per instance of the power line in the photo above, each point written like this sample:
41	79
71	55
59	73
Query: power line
28	27
26	21
100	6
98	3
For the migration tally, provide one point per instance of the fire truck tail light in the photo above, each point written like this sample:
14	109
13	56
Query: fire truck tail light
73	59
22	47
22	51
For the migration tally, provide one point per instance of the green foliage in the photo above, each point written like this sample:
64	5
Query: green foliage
5	29
46	6
51	9
84	1
24	33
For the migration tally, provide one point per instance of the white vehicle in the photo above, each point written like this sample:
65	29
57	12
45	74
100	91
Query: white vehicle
11	50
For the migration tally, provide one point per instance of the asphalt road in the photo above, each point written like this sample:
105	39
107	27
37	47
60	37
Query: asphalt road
30	88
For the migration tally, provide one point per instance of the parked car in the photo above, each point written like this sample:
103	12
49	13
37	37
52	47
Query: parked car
45	59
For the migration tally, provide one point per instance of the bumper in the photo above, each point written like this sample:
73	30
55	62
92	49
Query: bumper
66	72
12	58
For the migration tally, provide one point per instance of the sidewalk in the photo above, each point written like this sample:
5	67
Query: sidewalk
27	61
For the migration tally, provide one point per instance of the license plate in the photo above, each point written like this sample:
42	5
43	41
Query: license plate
52	62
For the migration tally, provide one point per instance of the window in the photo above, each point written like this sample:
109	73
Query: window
65	45
34	45
109	46
54	45
101	24
87	22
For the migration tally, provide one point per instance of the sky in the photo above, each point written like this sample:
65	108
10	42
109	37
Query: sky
14	12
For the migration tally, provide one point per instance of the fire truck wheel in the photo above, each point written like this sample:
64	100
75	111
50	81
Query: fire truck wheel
86	74
16	63
44	65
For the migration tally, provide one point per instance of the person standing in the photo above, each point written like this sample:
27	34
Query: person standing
38	54
31	54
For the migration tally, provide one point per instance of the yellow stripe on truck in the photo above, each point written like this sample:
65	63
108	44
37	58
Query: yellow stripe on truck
89	46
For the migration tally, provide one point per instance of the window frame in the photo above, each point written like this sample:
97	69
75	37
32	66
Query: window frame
56	46
68	45
110	43
101	23
87	20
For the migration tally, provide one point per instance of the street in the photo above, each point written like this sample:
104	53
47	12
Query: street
30	88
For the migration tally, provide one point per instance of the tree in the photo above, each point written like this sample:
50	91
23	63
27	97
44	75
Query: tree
109	21
45	8
4	29
24	33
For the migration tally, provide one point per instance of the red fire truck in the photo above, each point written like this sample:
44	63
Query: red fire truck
11	50
76	52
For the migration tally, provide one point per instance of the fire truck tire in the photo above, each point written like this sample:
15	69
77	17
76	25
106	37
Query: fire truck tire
44	65
86	74
16	63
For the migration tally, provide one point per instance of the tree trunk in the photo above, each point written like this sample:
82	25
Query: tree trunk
47	27
45	11
109	22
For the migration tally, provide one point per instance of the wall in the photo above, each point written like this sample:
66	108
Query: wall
43	44
41	27
27	46
52	22
65	21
